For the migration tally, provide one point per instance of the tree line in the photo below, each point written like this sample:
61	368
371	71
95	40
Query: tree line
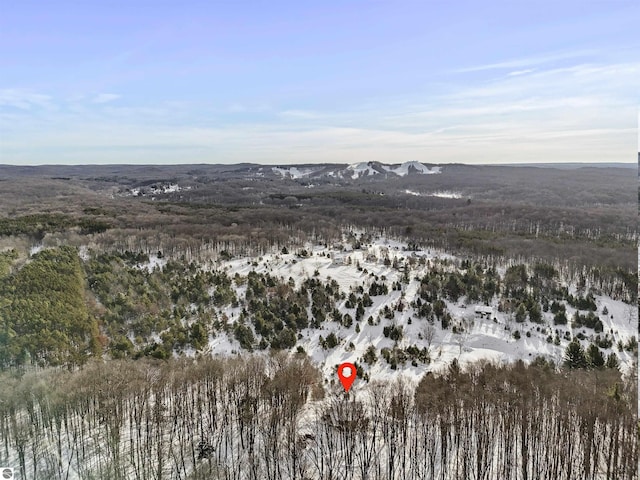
274	418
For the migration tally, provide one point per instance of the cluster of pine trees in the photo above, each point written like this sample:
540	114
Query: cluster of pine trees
44	314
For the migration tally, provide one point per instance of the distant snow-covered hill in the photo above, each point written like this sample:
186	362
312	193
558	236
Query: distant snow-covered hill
361	170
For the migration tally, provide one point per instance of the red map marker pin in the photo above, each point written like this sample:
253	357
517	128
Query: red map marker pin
347	374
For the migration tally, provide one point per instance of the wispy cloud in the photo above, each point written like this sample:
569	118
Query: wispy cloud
515	73
105	97
576	112
529	61
601	80
23	99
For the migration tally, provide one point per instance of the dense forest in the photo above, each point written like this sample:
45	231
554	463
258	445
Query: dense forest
45	316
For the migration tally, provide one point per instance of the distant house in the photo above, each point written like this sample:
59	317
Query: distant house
339	259
482	311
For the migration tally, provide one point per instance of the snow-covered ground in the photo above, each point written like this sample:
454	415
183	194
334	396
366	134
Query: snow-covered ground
362	169
358	170
293	172
153	263
443	194
483	338
158	189
446	194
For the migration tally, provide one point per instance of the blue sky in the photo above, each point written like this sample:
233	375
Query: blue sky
308	82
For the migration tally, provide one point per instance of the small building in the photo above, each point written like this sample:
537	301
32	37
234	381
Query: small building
483	311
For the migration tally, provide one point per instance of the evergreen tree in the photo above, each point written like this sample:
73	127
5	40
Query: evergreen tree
612	361
594	357
285	339
332	341
560	318
370	356
534	313
438	308
366	300
574	356
244	336
454	288
359	311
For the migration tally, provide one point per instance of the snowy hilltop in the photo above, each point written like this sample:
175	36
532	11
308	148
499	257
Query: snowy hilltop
386	305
